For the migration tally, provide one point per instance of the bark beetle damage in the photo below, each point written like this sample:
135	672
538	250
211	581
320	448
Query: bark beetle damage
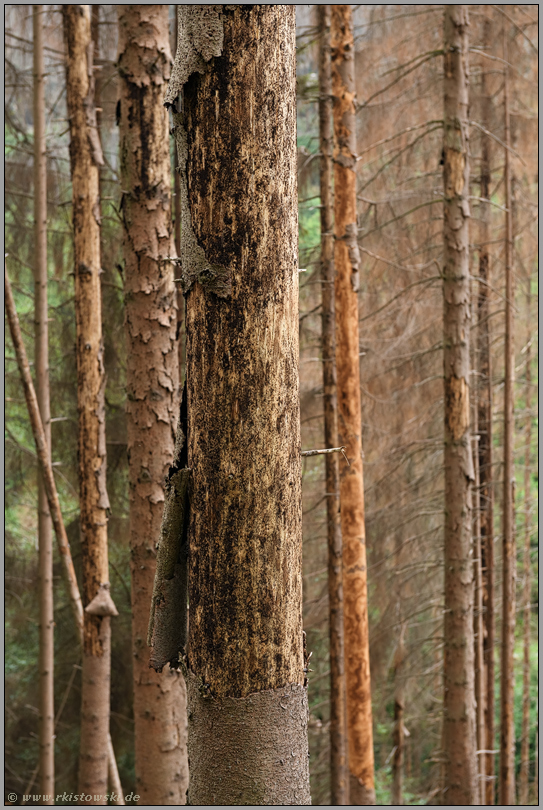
456	406
200	38
454	165
167	634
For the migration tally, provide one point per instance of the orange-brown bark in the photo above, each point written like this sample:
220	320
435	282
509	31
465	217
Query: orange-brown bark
152	380
346	256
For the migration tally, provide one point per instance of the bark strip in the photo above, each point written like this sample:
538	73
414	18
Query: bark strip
459	741
269	728
347	260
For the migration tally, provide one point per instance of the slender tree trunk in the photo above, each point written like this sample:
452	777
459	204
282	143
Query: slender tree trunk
478	629
85	158
347	260
506	782
338	733
41	366
460	765
484	419
527	589
177	236
398	737
245	664
152	380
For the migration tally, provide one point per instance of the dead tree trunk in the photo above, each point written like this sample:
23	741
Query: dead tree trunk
398	738
478	630
484	426
347	259
236	137
506	780
460	766
85	158
152	380
41	367
527	572
338	736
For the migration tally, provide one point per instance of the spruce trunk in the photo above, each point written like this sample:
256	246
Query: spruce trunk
152	380
236	137
41	367
338	732
484	426
506	776
347	260
85	158
460	762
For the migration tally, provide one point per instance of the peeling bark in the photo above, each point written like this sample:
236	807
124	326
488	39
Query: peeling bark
347	260
338	731
460	762
85	158
236	137
152	379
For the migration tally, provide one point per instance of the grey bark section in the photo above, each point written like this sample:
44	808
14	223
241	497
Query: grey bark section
261	755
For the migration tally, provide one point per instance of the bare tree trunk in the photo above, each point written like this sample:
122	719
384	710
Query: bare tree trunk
506	781
85	158
245	664
152	380
347	260
460	765
484	419
41	366
338	735
478	630
398	738
527	589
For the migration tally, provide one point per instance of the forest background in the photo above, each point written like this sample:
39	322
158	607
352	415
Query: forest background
399	88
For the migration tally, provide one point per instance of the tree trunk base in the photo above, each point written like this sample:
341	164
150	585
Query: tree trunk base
359	793
252	748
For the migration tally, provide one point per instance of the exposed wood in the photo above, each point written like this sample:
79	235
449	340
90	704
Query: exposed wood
152	380
506	775
85	159
338	730
46	730
347	265
459	740
236	68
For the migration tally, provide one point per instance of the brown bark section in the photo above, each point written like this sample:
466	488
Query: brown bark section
236	142
338	731
346	255
484	420
152	379
506	776
527	572
41	366
478	630
460	765
398	737
85	158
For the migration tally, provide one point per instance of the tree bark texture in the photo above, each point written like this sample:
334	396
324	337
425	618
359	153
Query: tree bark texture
478	631
484	430
236	139
338	730
85	159
41	367
347	260
527	572
460	762
398	738
506	777
152	379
